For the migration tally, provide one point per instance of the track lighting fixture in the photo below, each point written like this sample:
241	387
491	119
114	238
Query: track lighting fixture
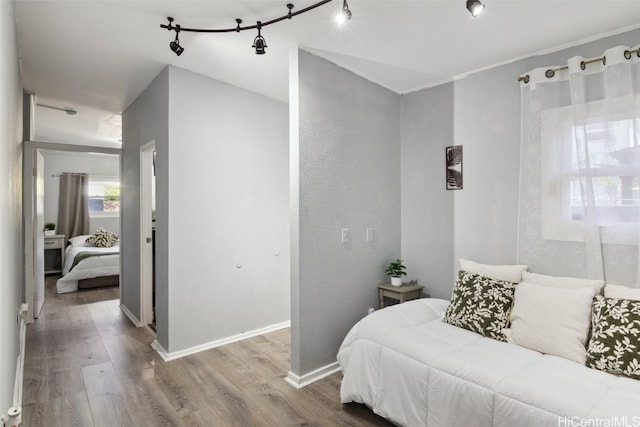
475	7
259	43
345	14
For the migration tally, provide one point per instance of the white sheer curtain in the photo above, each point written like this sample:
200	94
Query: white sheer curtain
580	168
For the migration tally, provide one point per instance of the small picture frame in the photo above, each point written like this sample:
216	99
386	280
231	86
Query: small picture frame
453	159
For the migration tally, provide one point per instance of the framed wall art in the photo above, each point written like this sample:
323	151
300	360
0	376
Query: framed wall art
453	156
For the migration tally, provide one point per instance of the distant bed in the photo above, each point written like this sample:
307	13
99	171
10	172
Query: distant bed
88	266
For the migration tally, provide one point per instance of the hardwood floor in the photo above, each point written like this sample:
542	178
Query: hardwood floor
87	365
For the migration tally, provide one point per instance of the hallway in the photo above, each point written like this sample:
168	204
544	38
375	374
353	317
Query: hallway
87	365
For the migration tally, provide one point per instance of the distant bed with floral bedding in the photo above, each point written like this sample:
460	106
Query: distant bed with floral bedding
89	257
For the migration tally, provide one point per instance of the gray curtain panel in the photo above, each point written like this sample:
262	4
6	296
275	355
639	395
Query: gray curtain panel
73	206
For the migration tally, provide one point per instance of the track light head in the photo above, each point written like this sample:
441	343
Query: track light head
344	14
259	43
475	7
175	45
176	48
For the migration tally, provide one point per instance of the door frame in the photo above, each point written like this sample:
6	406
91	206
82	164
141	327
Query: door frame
29	148
146	242
38	234
33	236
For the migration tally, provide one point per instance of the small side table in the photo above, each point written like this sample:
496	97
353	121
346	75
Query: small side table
54	247
399	293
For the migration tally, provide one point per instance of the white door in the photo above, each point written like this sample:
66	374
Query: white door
38	233
29	200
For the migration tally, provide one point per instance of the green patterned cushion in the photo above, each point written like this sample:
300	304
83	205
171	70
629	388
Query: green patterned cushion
615	338
481	304
103	238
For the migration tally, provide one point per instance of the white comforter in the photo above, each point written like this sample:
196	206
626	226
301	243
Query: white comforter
95	266
412	368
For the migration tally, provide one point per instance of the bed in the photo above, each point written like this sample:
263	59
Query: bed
88	266
412	368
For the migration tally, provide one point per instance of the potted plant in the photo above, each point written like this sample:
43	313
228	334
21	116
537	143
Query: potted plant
49	229
396	270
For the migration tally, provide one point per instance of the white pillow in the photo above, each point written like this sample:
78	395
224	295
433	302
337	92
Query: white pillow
79	241
621	292
510	273
552	320
563	282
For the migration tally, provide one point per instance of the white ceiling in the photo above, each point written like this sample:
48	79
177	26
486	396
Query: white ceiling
92	126
102	54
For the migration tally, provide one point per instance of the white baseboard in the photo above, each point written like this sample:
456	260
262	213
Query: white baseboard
131	317
302	381
164	354
19	380
13	416
167	356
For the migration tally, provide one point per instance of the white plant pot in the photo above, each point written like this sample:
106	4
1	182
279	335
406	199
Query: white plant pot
396	281
49	232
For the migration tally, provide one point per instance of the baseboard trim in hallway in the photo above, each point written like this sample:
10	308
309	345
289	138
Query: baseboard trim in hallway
167	356
300	381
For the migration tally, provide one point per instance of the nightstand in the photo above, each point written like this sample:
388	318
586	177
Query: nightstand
401	294
54	247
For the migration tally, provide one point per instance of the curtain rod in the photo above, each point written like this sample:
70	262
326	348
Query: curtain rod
552	71
58	175
100	177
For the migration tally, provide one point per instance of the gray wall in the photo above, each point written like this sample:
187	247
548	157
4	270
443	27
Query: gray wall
345	163
11	253
487	124
221	210
484	109
228	203
57	162
427	207
146	119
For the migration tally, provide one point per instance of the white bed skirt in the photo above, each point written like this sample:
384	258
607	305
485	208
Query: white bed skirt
88	268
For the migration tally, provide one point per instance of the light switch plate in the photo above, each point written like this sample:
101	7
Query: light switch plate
346	235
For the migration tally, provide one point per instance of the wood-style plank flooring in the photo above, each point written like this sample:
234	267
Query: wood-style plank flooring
87	365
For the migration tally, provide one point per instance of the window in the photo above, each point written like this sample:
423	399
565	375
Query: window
104	197
614	179
595	163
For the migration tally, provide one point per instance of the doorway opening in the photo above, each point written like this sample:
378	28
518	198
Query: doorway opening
45	254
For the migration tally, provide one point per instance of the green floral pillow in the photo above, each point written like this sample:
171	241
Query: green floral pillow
481	304
615	338
103	238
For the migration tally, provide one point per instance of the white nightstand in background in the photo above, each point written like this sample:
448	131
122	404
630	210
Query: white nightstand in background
54	247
